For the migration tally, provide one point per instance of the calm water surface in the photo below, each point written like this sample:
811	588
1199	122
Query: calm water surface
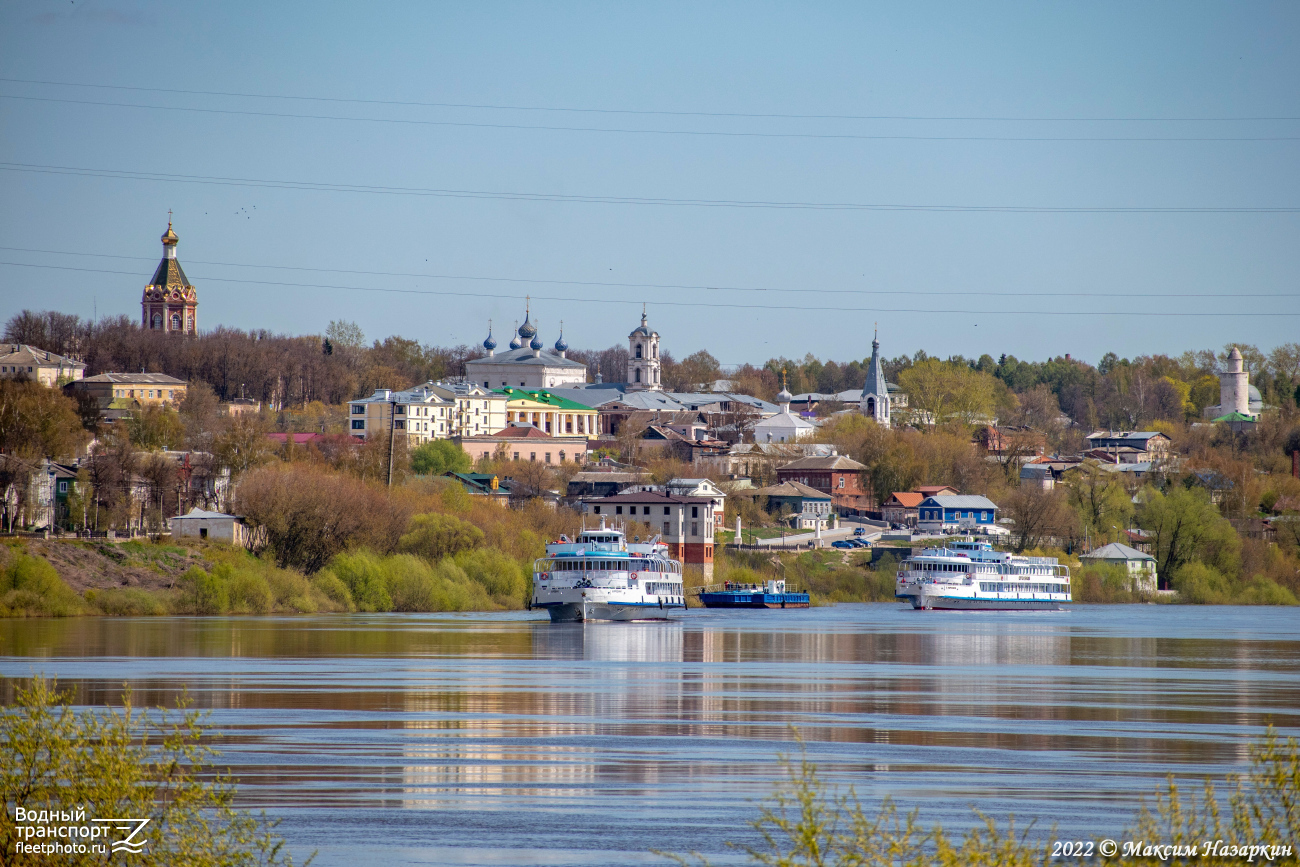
502	739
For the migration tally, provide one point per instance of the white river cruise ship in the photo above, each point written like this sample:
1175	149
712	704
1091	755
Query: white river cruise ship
602	576
970	575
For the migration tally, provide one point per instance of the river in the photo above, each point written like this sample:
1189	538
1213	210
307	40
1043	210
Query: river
490	739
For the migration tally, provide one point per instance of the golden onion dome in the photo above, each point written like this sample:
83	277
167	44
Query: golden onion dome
169	237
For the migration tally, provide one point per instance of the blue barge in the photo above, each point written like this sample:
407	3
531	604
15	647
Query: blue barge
771	594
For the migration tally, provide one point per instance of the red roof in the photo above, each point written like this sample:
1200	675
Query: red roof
523	432
906	499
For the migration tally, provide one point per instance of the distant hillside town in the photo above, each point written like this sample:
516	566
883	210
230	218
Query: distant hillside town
152	426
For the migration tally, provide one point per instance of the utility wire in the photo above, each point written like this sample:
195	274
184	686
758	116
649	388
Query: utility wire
1177	296
628	111
321	186
714	305
661	132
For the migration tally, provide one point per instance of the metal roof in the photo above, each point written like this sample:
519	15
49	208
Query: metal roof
1115	551
961	501
524	357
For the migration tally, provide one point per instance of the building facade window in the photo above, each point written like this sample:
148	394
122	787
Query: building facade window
666	528
695	528
358	424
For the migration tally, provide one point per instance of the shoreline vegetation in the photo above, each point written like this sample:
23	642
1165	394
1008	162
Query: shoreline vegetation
431	547
67	770
808	823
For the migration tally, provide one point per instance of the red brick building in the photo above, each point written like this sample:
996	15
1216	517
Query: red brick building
836	475
684	524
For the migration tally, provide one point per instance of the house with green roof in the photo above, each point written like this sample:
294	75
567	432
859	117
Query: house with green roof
550	413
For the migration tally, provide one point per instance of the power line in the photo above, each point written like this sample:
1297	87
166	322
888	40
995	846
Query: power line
648	112
664	132
713	305
682	286
322	186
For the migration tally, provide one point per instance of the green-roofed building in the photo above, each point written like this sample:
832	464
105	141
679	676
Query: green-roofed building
550	413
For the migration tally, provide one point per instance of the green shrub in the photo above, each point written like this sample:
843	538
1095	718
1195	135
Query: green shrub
504	579
202	593
362	573
1101	583
1201	584
411	583
1265	591
434	536
328	585
30	587
250	593
125	602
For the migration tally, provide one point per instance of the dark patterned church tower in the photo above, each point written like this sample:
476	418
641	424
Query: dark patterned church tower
170	302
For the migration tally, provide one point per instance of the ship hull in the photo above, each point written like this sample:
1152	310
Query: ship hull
580	612
942	603
754	600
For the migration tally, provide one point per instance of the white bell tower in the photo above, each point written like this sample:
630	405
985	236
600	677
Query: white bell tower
643	358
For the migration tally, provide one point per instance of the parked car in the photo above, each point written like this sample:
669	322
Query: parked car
860	531
860	543
842	543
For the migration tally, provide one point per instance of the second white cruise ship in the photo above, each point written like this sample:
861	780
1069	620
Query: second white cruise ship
970	575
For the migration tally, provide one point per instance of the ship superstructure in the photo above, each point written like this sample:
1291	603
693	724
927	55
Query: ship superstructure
601	576
971	575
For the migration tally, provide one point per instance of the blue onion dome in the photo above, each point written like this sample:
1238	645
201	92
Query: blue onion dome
515	342
537	343
527	330
489	344
560	344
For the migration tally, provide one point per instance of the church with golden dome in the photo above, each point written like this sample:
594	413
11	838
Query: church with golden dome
170	301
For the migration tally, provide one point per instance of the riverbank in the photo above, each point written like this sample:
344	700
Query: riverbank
75	577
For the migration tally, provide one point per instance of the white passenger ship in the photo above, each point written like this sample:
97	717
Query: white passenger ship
971	575
602	576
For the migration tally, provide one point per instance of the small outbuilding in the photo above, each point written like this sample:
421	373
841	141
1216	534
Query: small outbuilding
1141	567
202	524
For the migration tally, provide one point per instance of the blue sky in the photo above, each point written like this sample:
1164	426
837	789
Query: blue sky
756	282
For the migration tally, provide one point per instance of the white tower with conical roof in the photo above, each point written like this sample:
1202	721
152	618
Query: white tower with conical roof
875	393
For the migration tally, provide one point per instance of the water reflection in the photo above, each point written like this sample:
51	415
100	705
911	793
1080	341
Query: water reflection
458	718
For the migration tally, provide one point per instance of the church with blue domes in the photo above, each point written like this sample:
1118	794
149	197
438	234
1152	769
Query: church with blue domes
527	363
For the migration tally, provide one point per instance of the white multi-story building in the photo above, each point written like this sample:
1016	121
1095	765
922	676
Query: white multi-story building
20	361
432	411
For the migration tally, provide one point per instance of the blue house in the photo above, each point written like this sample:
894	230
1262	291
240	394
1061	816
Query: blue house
956	512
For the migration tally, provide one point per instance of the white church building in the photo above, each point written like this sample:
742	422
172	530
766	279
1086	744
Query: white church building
527	363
